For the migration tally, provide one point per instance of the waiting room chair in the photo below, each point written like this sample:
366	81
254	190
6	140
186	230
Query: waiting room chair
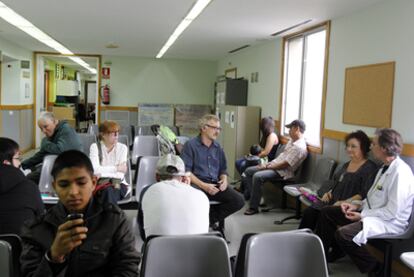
143	131
127	130
124	140
182	139
326	186
15	243
386	242
186	256
240	259
322	172
293	253
46	179
93	129
298	177
6	260
128	178
144	146
86	140
145	174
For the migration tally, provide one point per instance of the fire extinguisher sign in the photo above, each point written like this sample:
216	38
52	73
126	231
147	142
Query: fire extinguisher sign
106	72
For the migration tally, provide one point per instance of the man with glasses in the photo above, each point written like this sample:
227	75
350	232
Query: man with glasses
206	161
19	197
59	137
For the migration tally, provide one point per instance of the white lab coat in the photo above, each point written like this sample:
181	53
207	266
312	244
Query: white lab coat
388	206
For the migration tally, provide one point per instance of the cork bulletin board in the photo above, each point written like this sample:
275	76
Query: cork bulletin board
369	94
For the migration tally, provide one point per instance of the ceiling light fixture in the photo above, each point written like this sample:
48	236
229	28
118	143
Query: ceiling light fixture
26	26
195	11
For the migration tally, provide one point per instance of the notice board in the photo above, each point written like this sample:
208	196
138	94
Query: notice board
369	94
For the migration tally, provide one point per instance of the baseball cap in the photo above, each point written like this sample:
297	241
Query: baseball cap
297	123
171	165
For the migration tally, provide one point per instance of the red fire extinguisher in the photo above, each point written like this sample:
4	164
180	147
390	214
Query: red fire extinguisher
105	94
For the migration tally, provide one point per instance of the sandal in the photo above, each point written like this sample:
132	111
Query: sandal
251	211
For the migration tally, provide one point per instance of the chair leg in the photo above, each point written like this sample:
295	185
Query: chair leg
387	260
284	199
297	215
221	230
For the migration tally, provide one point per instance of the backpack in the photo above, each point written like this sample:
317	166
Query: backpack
166	139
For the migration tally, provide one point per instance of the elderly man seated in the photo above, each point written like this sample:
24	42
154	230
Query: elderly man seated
172	206
60	137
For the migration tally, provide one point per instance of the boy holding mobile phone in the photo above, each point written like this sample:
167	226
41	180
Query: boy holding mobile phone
80	236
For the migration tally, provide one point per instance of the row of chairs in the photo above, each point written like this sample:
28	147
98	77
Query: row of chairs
132	131
265	255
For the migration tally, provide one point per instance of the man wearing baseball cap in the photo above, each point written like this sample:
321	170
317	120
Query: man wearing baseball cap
172	206
282	167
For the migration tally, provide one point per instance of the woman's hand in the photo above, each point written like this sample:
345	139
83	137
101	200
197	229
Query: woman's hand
327	197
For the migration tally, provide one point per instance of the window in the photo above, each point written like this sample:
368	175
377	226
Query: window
304	81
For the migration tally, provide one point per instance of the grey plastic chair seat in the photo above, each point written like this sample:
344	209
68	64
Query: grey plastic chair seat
129	197
86	140
145	174
282	254
93	129
144	146
6	262
46	179
388	239
15	243
186	256
322	172
408	259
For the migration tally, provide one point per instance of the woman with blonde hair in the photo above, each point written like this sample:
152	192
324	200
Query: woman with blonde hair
109	160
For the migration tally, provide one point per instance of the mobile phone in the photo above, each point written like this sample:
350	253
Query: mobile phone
73	216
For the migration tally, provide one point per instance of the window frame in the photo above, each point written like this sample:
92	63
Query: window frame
327	26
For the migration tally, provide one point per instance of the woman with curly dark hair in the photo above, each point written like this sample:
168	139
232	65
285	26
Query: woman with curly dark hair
351	182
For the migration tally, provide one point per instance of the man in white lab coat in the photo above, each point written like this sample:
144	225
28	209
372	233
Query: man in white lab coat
387	207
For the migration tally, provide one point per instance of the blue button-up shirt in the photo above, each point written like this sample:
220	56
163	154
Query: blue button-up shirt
206	163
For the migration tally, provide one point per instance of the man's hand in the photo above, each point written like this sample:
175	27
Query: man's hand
211	189
348	207
327	197
69	236
122	167
353	216
222	184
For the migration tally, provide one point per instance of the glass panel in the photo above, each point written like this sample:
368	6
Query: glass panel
313	85
293	73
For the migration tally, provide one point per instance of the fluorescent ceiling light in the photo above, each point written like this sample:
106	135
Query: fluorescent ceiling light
26	26
195	11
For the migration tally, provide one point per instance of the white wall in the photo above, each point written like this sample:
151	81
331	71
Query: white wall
264	59
142	80
379	34
18	96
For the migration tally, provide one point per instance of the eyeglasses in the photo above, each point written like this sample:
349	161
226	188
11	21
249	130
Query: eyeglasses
115	133
214	127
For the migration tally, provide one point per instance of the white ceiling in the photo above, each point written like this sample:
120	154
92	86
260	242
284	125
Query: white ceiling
141	27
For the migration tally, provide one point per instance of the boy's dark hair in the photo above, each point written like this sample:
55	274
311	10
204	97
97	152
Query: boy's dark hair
71	158
8	148
255	149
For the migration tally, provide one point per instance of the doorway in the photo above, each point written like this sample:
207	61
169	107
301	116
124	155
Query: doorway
67	88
